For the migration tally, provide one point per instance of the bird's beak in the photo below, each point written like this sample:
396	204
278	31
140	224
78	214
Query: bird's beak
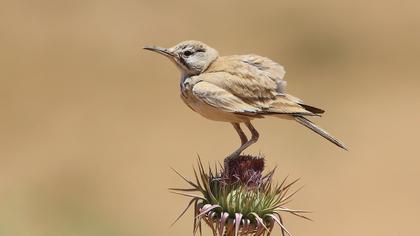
164	51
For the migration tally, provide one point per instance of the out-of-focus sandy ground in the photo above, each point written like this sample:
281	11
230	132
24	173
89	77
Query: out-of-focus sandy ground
90	123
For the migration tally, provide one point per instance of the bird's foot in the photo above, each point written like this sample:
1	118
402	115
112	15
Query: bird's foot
232	156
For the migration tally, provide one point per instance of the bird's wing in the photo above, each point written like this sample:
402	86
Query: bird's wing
284	105
219	98
253	67
234	93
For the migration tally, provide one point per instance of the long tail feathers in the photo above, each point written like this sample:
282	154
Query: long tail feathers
302	120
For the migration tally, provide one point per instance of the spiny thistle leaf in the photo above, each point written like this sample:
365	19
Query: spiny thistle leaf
185	210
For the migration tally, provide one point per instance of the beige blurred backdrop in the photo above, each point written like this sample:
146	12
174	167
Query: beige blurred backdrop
90	124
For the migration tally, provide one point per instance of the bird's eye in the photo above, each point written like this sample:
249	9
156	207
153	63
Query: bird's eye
188	53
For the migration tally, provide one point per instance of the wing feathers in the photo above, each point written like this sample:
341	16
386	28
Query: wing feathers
248	83
283	105
312	109
220	98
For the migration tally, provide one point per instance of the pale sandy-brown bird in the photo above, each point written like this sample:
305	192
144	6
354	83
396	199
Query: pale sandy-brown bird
237	89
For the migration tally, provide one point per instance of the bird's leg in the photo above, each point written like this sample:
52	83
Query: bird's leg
235	154
241	133
244	140
254	137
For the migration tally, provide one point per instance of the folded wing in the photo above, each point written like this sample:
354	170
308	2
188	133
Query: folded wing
253	67
219	98
233	93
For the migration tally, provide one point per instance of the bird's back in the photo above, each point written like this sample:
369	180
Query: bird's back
262	70
257	81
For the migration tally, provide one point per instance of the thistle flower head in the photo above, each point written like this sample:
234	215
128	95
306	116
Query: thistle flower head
238	199
245	170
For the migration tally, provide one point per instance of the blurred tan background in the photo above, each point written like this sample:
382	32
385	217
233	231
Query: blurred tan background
90	123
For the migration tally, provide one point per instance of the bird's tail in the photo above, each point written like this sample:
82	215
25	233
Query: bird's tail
302	120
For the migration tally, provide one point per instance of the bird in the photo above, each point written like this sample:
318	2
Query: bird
237	89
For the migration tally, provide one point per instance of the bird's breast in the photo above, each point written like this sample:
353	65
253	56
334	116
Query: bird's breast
185	86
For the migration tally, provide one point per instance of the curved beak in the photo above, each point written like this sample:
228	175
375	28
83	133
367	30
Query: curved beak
164	51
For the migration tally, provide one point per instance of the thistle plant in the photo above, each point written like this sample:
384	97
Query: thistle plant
238	198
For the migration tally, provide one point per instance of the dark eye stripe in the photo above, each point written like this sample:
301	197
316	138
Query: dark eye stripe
183	62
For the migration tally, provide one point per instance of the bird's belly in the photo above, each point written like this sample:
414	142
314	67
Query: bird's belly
211	112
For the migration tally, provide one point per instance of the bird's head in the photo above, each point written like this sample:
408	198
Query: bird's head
191	57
